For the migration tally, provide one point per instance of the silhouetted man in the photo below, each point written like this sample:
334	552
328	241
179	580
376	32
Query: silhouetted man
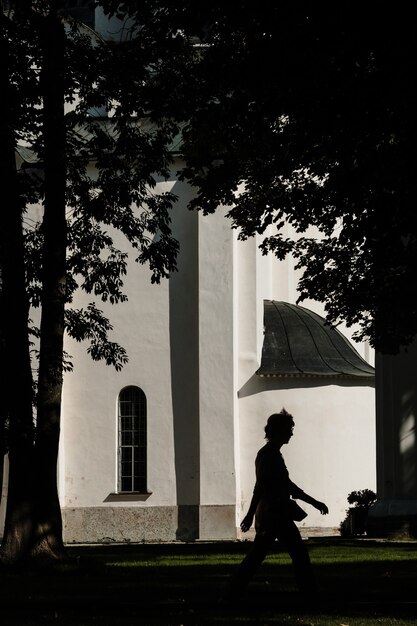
273	509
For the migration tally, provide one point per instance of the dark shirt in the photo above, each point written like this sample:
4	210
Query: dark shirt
273	487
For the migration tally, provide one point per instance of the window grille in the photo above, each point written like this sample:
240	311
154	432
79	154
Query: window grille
132	440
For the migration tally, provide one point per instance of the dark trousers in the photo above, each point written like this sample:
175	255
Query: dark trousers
289	537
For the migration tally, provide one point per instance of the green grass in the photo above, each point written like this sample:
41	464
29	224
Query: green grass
363	583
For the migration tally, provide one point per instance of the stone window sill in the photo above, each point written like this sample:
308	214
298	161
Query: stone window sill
128	496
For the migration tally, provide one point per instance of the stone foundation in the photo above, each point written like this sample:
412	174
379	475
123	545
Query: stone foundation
148	524
161	524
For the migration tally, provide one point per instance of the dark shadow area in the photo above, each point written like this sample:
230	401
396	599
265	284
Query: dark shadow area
397	411
406	403
188	522
184	357
395	512
367	581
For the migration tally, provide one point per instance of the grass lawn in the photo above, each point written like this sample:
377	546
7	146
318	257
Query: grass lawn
363	583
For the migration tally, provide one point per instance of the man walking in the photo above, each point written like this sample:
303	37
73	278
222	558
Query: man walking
275	510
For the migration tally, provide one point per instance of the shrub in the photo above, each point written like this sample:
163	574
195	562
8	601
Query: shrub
356	515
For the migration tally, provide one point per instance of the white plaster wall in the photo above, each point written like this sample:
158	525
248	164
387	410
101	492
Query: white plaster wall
203	437
333	450
88	455
217	389
249	312
91	392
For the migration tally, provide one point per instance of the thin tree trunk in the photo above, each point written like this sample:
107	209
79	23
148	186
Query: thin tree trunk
48	538
33	527
16	379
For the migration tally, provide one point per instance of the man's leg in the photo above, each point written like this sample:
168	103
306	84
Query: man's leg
247	568
290	537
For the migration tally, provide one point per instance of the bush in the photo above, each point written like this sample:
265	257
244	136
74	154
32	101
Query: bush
356	515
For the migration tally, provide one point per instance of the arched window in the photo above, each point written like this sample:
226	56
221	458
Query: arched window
132	440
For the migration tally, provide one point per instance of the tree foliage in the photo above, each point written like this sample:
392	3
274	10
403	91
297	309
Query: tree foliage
300	119
56	74
308	123
297	118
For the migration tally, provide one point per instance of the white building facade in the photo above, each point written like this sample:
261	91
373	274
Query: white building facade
164	450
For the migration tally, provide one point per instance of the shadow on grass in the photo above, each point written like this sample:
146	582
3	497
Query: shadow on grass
367	583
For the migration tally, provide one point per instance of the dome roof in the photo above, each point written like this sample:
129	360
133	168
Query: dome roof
300	343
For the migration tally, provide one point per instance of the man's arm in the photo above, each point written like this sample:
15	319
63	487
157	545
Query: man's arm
248	519
299	494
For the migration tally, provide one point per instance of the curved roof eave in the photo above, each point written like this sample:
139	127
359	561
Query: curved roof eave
298	343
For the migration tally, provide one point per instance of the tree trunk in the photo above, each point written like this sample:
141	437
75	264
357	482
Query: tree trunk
33	527
48	542
16	379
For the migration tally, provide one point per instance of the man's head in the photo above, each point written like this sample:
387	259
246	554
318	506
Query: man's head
279	427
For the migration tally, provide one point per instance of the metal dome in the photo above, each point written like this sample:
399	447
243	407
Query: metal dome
300	343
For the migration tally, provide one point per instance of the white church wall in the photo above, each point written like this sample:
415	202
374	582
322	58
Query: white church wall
194	345
217	384
333	449
159	327
180	339
249	307
91	428
91	392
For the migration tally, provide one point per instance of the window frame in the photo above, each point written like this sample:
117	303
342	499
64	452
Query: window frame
132	440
